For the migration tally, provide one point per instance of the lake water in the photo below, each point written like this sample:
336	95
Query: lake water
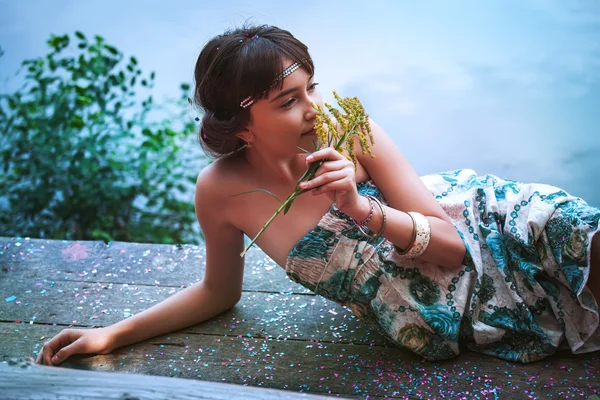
507	87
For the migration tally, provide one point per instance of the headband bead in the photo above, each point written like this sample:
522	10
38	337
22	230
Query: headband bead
248	101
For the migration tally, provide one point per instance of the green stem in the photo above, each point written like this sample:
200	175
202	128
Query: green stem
288	200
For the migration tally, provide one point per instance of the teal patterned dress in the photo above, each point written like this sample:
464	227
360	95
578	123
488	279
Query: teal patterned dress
519	295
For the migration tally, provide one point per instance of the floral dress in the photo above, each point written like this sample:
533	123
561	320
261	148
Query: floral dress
519	293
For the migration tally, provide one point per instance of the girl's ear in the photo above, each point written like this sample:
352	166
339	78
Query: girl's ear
245	135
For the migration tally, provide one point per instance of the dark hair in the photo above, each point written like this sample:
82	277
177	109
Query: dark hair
232	66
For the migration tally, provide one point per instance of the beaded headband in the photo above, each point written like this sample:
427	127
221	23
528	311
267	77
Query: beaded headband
248	101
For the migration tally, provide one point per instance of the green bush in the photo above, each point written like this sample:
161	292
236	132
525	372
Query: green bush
83	158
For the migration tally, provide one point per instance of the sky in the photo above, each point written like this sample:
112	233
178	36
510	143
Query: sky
509	87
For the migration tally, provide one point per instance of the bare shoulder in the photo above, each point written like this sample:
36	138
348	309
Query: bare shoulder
220	173
217	181
214	186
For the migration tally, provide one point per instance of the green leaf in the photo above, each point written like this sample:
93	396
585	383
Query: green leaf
304	150
257	190
111	50
80	35
312	168
98	234
76	122
170	132
58	42
287	207
83	100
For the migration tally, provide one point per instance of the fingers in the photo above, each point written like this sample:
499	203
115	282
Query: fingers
329	170
40	357
46	353
328	153
333	166
324	179
65	353
335	177
339	186
57	347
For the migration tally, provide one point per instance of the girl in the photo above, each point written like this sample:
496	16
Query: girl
507	268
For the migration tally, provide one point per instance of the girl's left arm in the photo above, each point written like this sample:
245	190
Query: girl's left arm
404	191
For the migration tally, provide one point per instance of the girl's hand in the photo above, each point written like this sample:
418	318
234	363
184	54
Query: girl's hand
74	341
336	178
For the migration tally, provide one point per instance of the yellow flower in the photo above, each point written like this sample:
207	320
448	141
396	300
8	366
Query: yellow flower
321	131
351	154
333	131
342	103
341	119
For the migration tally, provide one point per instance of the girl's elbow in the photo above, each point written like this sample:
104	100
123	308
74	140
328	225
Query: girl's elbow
456	251
458	254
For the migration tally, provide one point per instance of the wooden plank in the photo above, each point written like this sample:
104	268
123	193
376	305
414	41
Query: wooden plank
132	263
280	315
23	380
325	368
287	340
43	259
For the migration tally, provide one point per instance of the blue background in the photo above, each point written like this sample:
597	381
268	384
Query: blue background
506	87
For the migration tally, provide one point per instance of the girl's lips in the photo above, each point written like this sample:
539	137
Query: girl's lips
311	132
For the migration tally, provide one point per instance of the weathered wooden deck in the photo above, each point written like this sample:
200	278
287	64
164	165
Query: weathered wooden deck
279	336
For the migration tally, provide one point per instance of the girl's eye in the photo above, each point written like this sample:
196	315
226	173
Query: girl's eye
288	103
291	101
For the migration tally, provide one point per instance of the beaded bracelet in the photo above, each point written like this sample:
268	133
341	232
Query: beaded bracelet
383	224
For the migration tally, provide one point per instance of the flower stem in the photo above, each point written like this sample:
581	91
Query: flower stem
265	226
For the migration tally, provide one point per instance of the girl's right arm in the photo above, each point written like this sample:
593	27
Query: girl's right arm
219	290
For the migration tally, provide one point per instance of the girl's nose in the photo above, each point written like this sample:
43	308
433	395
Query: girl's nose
311	113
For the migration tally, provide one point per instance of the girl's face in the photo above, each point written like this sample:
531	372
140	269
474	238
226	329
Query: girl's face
285	119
